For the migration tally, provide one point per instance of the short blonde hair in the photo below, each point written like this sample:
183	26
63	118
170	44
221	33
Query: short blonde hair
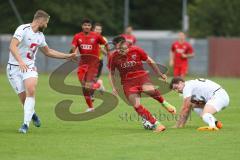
41	14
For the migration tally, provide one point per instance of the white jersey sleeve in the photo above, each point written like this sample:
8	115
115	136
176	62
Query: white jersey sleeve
187	90
43	43
19	33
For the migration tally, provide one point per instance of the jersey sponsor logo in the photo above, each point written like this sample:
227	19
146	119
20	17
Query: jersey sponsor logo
86	46
134	56
179	50
128	64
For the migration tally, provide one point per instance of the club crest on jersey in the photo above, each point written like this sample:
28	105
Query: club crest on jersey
80	40
134	56
92	40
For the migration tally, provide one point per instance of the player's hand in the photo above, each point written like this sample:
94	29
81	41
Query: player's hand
184	55
164	77
23	67
114	91
71	56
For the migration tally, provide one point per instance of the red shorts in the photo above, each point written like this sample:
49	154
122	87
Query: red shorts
134	86
180	71
87	73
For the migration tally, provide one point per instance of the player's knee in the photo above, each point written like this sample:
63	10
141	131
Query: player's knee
148	88
88	85
136	105
31	91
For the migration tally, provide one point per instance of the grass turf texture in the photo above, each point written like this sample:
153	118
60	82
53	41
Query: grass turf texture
113	136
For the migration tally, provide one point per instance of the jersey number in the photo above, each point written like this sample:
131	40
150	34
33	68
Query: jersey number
33	48
201	79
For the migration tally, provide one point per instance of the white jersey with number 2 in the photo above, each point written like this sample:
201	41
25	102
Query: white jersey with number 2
29	43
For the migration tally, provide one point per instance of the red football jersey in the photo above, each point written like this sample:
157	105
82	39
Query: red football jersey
88	44
129	65
178	49
131	39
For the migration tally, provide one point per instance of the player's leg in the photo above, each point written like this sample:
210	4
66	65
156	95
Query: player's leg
132	93
22	97
29	104
149	89
15	77
183	71
219	101
82	74
176	71
100	68
134	99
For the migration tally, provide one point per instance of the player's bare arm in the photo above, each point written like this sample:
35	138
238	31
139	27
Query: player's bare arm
184	113
73	49
188	55
15	52
171	62
56	54
154	66
111	79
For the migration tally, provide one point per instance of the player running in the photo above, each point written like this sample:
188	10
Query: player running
21	69
88	43
135	80
180	52
205	97
129	37
102	52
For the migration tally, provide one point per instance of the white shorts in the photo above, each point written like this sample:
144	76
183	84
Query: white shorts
16	77
219	100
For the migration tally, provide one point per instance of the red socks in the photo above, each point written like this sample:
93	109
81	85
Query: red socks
87	97
156	95
88	101
143	112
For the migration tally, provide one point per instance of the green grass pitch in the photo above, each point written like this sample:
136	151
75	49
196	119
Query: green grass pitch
113	136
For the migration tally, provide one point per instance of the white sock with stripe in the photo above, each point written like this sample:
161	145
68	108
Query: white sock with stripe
28	109
209	119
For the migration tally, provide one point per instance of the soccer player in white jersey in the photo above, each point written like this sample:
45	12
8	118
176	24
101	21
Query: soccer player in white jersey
21	70
205	97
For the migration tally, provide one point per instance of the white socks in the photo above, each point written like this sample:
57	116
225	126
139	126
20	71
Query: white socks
209	119
28	109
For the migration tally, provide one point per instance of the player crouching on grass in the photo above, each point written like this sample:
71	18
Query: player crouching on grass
205	97
135	80
21	70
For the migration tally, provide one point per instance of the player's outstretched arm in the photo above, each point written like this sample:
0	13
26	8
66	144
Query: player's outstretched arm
111	79
15	52
171	57
154	66
187	55
184	113
56	54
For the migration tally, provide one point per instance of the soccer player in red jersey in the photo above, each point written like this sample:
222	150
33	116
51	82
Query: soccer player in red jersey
180	52
129	37
88	43
135	80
